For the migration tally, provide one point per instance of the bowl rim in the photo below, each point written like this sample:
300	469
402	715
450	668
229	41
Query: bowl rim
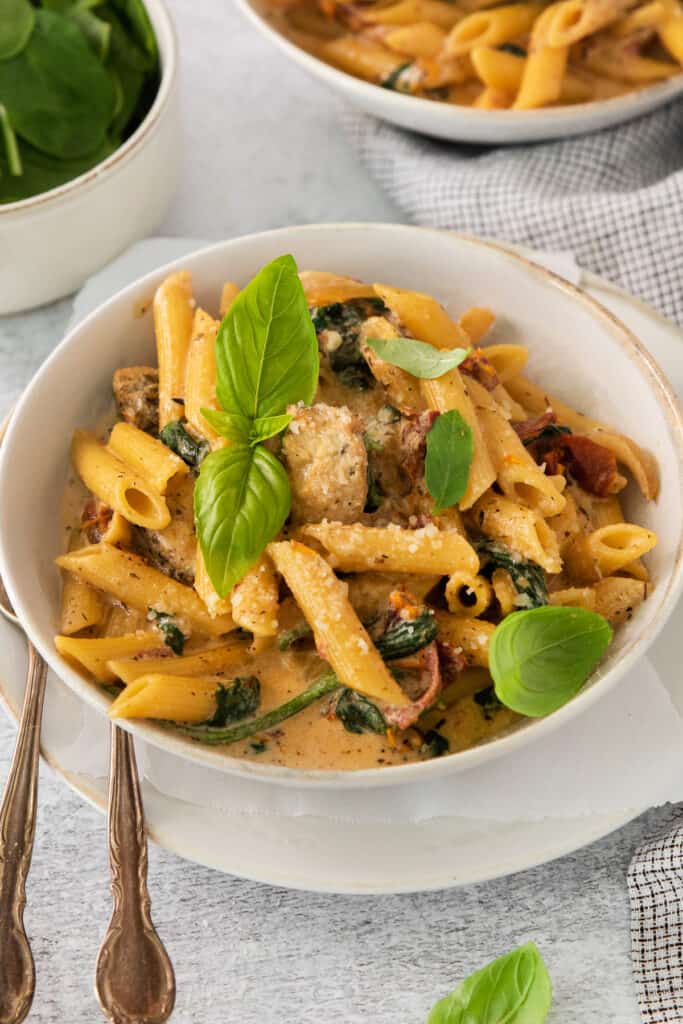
567	113
167	42
184	747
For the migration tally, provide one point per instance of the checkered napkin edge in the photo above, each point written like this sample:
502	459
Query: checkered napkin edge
614	198
655	887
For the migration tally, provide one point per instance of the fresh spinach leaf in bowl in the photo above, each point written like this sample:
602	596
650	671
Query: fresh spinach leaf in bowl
76	79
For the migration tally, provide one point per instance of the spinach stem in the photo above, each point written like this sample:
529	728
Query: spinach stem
217	735
14	163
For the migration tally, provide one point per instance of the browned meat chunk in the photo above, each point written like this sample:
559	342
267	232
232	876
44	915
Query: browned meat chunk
136	390
174	549
327	463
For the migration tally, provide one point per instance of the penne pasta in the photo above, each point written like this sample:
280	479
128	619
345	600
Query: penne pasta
357	548
522	529
337	629
128	578
94	654
211	661
117	484
146	456
173	316
171	697
200	375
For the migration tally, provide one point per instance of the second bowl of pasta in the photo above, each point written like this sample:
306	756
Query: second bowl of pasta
482	72
336	508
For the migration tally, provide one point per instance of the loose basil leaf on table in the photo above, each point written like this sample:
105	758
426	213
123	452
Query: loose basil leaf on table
514	989
266	347
17	18
58	94
539	659
417	357
450	447
241	500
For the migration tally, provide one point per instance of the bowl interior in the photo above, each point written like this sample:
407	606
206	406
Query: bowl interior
579	352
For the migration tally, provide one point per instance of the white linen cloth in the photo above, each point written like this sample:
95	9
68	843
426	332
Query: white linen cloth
614	198
586	767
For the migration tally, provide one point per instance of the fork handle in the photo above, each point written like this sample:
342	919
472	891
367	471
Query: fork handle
134	978
17	828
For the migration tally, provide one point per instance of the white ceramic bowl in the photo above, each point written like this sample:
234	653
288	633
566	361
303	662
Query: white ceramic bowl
578	350
466	124
50	243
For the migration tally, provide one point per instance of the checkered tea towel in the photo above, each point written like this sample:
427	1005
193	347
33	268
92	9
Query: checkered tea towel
615	198
655	885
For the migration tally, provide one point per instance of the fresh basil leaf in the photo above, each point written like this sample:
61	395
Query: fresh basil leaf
450	447
417	357
539	659
268	426
266	348
58	94
514	989
17	18
241	501
233	427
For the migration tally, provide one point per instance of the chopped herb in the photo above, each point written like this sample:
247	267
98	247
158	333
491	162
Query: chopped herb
357	714
488	702
397	80
168	627
434	745
549	433
345	319
290	636
175	436
527	577
407	636
236	701
231	734
258	746
513	48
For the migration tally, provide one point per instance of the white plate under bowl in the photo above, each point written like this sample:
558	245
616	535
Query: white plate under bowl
467	124
577	349
321	854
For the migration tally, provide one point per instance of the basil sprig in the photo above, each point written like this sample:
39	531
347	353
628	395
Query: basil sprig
266	359
417	357
539	659
450	447
515	988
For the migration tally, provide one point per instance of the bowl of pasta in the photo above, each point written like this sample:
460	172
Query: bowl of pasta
323	508
476	71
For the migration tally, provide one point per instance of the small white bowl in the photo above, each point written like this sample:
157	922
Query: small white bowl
52	242
578	350
467	124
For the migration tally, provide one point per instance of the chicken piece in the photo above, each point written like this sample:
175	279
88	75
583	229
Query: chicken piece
136	390
174	549
327	463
